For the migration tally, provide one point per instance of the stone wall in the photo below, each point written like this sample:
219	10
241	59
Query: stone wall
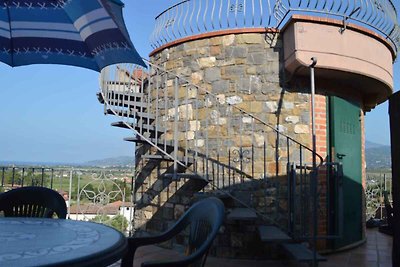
242	72
246	71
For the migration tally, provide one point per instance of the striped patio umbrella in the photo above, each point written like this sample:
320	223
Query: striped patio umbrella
84	33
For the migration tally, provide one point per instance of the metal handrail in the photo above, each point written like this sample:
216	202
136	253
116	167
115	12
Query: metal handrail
192	17
241	111
155	69
156	86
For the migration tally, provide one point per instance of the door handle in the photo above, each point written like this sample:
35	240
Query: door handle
340	156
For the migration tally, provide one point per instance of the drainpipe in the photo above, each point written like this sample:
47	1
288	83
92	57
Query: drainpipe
314	163
314	62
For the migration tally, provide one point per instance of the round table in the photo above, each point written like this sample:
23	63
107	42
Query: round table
57	242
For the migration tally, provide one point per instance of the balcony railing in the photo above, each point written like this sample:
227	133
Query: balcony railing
95	194
192	17
377	184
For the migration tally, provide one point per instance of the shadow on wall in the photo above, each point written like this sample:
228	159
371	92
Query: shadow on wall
238	238
157	211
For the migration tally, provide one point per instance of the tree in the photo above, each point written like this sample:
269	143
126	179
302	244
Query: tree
118	222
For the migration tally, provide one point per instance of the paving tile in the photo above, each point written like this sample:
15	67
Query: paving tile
365	251
385	252
364	258
385	258
363	264
366	255
341	258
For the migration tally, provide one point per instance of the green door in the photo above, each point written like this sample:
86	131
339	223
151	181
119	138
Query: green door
345	146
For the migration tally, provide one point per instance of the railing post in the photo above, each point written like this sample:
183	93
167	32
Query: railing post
61	177
394	111
176	129
340	199
2	176
23	176
33	177
291	198
13	177
78	195
70	193
51	179
42	177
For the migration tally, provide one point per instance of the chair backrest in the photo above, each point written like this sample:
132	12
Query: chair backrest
203	219
33	201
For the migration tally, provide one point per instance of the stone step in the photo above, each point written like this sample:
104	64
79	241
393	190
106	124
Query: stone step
217	194
166	158
300	253
133	106
242	197
307	167
157	157
135	97
179	176
140	128
242	214
272	234
161	143
144	116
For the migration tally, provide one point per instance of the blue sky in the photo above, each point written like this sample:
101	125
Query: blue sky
49	113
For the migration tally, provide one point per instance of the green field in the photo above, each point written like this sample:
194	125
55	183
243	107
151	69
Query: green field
61	179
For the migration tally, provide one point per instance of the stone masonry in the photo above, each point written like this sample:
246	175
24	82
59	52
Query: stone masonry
243	71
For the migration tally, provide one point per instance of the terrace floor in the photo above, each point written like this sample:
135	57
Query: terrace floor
376	252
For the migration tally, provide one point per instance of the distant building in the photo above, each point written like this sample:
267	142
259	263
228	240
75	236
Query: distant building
88	211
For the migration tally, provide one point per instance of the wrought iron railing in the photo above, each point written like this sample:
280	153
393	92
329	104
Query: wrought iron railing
203	134
207	135
194	127
192	17
301	201
12	176
377	184
93	194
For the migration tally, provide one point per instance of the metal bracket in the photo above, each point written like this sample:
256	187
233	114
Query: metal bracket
346	18
345	23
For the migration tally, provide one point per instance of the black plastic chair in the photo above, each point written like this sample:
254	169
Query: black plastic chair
204	219
33	201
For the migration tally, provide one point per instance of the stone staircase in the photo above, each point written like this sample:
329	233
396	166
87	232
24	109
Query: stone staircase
186	133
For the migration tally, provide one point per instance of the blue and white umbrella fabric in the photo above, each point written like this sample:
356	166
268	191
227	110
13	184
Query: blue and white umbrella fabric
84	33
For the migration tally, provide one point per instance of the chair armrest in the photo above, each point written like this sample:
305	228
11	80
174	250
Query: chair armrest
165	264
135	242
182	262
149	240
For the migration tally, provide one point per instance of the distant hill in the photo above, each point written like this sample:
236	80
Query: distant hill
122	161
377	156
369	144
36	164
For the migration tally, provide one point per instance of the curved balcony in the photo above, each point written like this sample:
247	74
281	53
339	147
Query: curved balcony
194	17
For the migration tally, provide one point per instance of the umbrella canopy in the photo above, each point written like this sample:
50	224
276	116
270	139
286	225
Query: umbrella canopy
84	33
